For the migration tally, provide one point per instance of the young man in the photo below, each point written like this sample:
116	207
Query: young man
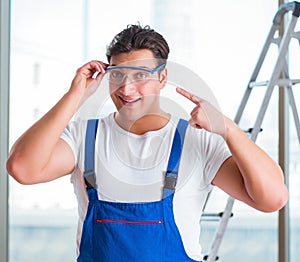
136	203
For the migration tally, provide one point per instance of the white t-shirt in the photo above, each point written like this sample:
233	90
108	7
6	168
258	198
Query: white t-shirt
130	168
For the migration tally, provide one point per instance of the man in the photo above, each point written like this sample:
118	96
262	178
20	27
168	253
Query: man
141	175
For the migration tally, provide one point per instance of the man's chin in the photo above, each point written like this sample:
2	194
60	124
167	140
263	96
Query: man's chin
126	115
132	116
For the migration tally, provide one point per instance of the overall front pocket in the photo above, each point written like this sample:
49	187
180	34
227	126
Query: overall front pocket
155	222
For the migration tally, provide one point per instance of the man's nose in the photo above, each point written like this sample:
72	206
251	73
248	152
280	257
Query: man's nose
128	86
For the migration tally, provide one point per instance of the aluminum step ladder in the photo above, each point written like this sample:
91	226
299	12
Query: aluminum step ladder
279	77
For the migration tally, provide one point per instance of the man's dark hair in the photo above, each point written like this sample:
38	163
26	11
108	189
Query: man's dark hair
136	37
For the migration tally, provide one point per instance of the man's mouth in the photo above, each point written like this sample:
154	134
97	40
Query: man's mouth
129	100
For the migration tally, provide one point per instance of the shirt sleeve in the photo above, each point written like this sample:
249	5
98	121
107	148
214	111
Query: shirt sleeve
73	135
216	152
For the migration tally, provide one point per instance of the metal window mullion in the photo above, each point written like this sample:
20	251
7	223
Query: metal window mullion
4	122
283	153
283	215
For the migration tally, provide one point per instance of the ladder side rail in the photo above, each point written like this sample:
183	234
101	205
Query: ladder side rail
283	9
288	84
262	112
274	77
294	110
295	7
277	20
212	255
262	56
265	49
292	101
242	105
205	204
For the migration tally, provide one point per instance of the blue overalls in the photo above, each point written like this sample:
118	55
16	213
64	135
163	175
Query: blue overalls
131	232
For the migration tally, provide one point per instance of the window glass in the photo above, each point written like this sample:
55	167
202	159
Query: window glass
46	47
220	41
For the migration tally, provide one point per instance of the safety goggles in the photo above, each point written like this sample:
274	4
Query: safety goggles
118	74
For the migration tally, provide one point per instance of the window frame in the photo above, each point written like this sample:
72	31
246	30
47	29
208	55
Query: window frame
4	120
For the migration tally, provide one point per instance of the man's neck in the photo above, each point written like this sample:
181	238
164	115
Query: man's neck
150	122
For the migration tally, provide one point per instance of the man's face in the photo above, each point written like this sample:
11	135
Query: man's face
135	92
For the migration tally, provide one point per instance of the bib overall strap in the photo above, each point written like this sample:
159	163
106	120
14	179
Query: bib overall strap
174	160
89	155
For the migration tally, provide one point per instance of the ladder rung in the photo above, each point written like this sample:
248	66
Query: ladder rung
249	130
288	82
296	35
213	216
276	40
281	82
295	81
206	257
261	83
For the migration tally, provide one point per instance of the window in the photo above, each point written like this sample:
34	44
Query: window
219	41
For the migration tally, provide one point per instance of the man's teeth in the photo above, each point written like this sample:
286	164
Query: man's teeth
130	101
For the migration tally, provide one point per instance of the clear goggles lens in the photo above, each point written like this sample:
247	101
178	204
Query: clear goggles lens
118	74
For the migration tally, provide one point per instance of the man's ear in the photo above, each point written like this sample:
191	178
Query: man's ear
163	77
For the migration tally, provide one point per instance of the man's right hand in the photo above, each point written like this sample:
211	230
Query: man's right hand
88	78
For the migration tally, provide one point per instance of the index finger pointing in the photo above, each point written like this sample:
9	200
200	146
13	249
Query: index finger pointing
196	100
